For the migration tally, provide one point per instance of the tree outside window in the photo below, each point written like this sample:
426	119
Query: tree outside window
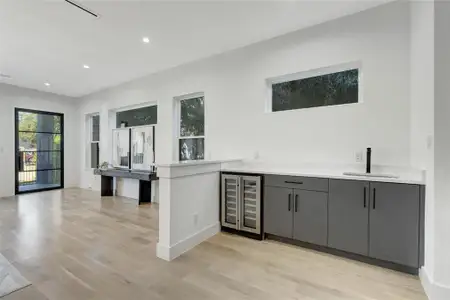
192	129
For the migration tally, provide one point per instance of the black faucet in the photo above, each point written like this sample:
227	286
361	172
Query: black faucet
368	160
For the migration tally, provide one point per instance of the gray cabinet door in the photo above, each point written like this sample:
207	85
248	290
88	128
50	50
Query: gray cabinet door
310	216
348	216
394	223
278	212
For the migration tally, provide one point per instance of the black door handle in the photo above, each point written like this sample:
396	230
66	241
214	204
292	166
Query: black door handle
20	161
365	196
289	202
374	197
296	202
294	182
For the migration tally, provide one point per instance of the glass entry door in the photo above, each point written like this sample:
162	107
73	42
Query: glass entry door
39	150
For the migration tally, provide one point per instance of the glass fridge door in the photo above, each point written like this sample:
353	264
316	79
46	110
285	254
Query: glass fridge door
230	201
250	204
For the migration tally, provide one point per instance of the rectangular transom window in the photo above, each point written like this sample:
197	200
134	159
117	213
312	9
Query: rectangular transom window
323	90
191	129
137	117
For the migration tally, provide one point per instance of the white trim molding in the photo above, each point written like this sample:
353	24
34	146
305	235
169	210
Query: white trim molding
134	106
434	290
169	253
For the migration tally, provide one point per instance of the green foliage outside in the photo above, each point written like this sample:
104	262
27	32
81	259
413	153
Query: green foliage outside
192	117
28	124
330	89
192	124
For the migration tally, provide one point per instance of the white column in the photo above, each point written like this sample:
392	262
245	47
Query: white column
422	118
442	152
189	200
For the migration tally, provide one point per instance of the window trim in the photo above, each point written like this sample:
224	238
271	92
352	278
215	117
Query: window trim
177	114
91	141
91	128
313	73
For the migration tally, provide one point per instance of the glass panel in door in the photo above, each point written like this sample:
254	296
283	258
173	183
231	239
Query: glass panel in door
230	199
39	150
250	215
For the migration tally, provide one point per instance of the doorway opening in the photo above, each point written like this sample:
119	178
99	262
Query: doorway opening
39	150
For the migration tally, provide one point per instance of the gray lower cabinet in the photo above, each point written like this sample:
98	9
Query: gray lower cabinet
278	213
394	223
377	219
310	216
296	213
348	221
380	220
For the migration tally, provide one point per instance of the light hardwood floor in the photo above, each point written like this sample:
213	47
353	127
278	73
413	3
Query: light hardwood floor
73	245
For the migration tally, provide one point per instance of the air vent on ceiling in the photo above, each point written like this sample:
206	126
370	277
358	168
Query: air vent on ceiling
6	76
82	8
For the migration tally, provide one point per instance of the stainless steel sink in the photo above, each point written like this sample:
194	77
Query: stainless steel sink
370	175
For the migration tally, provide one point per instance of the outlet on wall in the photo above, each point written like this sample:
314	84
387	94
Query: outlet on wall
359	156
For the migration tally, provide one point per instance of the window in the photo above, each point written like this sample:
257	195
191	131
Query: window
95	141
137	117
323	90
191	129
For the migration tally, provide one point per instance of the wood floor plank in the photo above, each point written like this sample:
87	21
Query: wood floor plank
72	244
27	293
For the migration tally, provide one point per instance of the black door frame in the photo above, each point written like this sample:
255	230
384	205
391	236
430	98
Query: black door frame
16	148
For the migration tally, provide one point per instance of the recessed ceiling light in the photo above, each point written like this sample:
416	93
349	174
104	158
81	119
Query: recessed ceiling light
146	40
47	84
86	66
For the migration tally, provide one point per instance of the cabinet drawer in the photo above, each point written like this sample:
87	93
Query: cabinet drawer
297	182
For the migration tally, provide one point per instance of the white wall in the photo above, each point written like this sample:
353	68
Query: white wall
442	146
235	94
422	112
11	97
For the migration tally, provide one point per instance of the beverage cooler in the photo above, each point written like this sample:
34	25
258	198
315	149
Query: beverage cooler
241	204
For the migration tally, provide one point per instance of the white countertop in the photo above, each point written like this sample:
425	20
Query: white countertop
189	163
404	175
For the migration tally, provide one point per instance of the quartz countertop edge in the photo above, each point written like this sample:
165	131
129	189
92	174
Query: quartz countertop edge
332	174
190	163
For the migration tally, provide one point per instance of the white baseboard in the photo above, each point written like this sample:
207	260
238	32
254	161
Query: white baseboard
172	252
163	252
434	290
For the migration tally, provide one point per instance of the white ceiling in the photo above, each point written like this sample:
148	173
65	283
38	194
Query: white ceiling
49	40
